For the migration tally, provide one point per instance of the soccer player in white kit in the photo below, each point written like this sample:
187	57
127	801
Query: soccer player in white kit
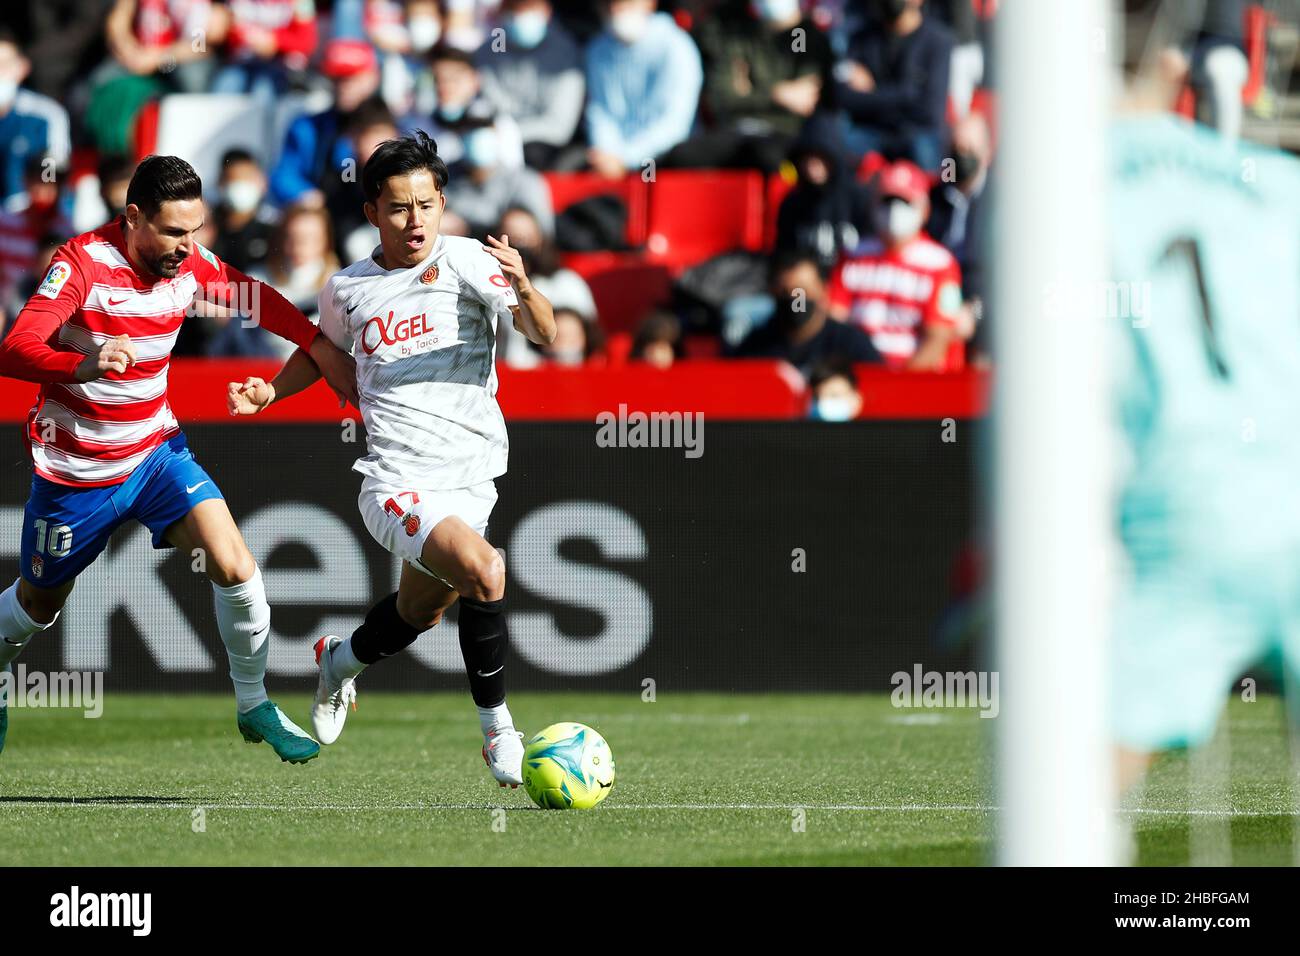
419	315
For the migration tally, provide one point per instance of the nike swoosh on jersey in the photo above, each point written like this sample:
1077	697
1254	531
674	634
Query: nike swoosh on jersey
190	491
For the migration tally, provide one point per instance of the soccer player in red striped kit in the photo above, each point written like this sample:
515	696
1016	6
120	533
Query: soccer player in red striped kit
97	336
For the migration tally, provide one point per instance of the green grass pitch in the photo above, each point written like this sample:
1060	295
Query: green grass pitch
702	779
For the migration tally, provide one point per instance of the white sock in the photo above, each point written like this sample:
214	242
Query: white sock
244	619
16	626
343	663
496	718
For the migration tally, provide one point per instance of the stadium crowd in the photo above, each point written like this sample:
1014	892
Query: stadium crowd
868	120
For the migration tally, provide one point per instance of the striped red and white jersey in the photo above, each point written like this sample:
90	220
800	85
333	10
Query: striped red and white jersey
95	433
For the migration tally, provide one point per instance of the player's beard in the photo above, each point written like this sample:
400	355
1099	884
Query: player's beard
167	266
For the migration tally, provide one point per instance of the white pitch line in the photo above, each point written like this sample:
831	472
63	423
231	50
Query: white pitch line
406	807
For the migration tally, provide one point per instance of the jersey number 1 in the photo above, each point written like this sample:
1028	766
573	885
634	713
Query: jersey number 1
1190	248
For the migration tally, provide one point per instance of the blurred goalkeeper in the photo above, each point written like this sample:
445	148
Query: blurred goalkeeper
1209	516
419	315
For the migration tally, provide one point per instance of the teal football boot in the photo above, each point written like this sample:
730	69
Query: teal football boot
267	722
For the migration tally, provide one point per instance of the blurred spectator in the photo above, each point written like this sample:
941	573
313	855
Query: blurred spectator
115	174
24	285
302	258
485	188
172	38
643	86
833	389
64	39
267	42
1212	58
245	222
960	204
658	340
966	71
535	77
463	109
32	126
367	126
466	22
828	210
893	87
402	33
316	148
563	288
902	287
763	76
36	212
577	341
801	331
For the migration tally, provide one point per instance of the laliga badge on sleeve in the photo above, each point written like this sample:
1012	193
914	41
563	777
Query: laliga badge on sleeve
54	280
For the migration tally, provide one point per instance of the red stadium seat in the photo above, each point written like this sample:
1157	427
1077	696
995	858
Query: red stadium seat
568	188
618	349
625	285
696	214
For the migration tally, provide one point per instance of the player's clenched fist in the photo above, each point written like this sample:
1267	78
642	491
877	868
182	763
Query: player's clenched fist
115	355
250	397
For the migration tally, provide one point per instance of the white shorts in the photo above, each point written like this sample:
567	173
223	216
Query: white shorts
400	518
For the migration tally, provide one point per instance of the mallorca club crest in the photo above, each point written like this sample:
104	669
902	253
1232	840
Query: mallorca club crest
38	566
412	524
430	275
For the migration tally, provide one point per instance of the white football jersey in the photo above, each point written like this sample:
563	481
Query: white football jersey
424	340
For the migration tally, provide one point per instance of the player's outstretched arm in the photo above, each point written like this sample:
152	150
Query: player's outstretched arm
255	394
279	316
535	317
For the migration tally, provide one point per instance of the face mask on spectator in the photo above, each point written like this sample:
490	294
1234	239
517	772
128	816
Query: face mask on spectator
528	28
903	220
776	11
629	25
834	408
242	195
8	90
425	32
481	149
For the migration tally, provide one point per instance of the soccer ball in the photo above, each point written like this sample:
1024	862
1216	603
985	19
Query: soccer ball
568	766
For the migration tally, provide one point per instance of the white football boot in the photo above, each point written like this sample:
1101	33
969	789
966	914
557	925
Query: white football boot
330	708
503	752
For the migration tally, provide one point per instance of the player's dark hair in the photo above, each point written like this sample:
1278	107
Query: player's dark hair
160	179
10	36
397	157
